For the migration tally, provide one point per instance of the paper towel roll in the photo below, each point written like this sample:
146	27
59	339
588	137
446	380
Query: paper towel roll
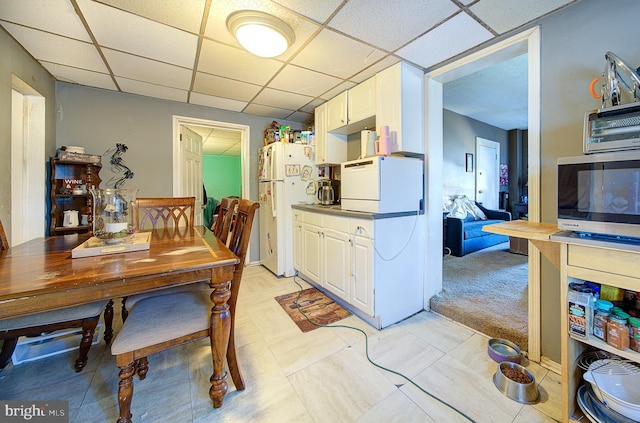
367	143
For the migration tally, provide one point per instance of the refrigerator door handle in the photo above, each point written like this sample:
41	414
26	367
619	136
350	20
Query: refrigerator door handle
271	169
273	199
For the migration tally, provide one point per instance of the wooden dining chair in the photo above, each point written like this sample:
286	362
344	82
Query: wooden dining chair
158	323
84	316
222	224
176	212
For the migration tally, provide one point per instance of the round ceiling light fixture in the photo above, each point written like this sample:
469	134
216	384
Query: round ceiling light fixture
260	33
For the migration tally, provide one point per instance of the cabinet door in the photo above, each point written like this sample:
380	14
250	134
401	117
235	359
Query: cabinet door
312	250
400	106
298	244
337	112
362	101
362	280
320	135
336	263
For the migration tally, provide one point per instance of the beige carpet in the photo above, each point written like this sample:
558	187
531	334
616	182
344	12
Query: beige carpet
487	291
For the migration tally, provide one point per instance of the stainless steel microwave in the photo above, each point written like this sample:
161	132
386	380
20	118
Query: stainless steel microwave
600	194
612	129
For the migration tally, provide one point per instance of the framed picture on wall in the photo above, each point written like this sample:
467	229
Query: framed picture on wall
469	158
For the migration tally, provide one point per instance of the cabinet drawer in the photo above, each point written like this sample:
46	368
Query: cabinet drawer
313	218
365	224
298	215
336	223
625	263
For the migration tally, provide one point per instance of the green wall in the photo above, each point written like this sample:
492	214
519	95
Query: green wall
222	176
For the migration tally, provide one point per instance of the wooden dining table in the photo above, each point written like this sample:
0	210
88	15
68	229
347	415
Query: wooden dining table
40	275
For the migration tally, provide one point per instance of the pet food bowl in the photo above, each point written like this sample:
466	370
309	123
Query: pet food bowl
502	350
526	393
616	386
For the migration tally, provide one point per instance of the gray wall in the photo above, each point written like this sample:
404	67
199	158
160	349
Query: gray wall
15	61
573	44
459	137
98	119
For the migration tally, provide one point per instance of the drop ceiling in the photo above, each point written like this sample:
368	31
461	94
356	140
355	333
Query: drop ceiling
181	50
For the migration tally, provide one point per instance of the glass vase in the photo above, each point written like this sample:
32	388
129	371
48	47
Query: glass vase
112	214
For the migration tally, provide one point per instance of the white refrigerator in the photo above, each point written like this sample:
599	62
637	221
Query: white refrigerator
286	176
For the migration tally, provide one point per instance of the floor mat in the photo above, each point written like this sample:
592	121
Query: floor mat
313	303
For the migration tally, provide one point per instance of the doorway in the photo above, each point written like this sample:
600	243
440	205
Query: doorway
525	42
203	129
28	164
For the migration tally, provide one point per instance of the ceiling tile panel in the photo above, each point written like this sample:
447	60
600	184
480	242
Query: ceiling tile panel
57	17
129	33
458	34
303	81
402	20
182	14
217	102
57	49
337	90
319	11
310	108
281	99
375	68
141	69
337	55
504	15
151	90
80	76
220	9
234	63
224	87
268	111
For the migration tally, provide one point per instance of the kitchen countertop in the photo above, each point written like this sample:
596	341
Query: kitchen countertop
336	210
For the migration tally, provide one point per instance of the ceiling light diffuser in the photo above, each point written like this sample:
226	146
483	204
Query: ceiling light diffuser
260	33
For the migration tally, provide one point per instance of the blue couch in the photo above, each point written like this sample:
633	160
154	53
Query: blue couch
463	236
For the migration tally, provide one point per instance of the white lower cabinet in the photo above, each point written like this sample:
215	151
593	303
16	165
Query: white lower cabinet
338	254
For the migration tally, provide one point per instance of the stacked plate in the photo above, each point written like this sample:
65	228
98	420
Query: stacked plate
616	386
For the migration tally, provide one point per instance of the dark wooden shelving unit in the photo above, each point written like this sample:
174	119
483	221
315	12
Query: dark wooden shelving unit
66	175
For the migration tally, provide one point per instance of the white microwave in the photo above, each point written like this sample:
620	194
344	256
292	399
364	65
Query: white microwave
600	194
382	184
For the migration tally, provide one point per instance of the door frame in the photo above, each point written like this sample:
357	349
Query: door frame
28	164
527	41
244	153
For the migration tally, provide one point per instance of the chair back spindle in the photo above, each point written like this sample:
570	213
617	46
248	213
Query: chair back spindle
222	224
167	212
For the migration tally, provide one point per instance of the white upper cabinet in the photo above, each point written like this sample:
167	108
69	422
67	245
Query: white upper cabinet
400	106
330	148
337	112
361	101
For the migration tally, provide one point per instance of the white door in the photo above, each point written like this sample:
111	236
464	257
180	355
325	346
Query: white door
28	165
362	274
312	239
487	173
191	153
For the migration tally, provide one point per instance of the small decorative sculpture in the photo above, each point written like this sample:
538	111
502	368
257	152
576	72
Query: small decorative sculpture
118	166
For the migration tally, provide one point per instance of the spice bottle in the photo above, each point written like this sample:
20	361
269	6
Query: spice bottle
618	332
634	333
600	324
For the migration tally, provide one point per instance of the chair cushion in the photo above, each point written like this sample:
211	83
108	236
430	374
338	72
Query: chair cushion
133	299
54	316
162	318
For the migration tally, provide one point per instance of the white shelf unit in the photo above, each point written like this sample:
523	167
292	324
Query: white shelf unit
53	343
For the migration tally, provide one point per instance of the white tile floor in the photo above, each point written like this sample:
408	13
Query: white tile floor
319	376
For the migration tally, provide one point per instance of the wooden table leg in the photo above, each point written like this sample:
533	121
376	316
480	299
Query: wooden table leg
125	391
219	336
